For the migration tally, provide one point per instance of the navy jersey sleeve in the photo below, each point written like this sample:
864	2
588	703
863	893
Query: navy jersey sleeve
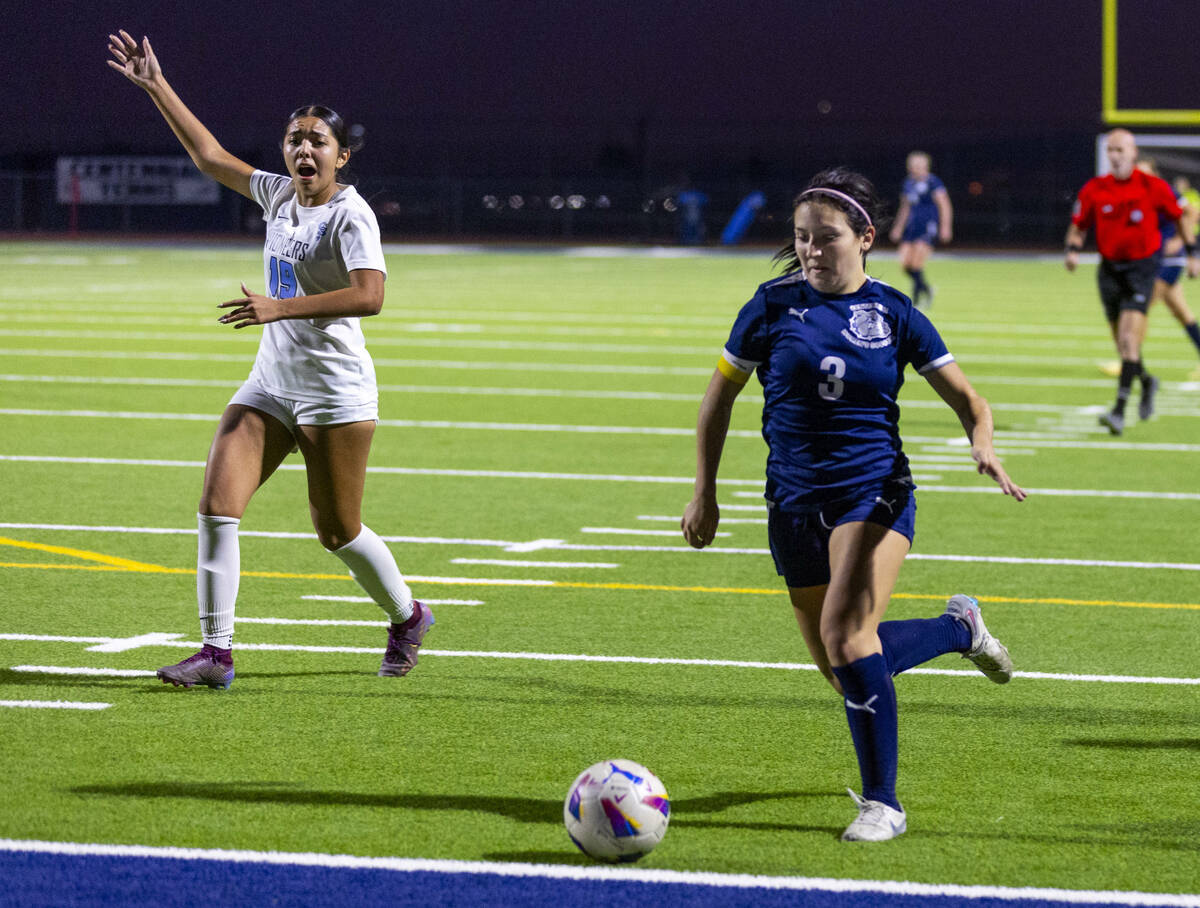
922	346
935	184
747	346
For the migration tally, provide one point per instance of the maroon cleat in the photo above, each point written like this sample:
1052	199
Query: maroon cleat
211	667
404	640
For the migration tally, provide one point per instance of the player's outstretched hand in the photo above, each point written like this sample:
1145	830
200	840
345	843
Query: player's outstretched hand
989	464
250	309
1193	266
699	523
135	62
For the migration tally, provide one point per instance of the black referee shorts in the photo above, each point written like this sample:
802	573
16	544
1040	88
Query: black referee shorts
1127	285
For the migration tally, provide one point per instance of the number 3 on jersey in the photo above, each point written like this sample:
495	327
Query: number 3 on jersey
283	279
835	368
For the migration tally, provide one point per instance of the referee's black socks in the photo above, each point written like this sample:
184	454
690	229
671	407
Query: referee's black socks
1129	371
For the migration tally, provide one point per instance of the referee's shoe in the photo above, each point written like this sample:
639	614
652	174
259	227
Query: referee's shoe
1146	404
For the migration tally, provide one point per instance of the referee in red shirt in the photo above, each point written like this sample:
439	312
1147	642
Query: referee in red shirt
1123	207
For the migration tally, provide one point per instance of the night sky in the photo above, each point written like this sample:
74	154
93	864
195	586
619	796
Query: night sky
494	85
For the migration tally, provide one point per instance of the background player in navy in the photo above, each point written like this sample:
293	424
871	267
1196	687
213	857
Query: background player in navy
925	218
830	346
1167	286
313	383
1124	207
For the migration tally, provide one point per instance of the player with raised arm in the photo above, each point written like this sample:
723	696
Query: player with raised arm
312	386
925	218
830	346
1124	207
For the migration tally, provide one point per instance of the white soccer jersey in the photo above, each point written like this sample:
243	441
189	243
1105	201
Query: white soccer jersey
310	251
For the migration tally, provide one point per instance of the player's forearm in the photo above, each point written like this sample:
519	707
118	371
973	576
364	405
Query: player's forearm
976	418
1075	237
945	211
712	427
197	141
350	302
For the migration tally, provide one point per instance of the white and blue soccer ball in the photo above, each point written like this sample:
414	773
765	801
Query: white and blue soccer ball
617	810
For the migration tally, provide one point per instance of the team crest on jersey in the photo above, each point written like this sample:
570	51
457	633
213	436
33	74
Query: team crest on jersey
321	229
868	327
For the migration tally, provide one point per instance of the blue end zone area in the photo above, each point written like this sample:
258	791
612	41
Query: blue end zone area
37	880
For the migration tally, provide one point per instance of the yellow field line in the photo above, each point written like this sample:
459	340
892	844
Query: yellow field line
84	555
126	566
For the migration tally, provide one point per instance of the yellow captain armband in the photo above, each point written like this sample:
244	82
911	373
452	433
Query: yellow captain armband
732	372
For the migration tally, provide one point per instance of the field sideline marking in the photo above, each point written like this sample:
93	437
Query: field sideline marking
368	599
119	644
174	382
426	365
501	562
580	584
53	704
537	545
89	672
920	461
561	393
416	340
607	874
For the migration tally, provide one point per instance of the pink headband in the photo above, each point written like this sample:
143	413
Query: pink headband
840	195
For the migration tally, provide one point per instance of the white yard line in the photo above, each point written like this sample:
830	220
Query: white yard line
53	704
580	347
1032	440
368	599
425	365
501	562
619	660
89	672
563	546
623	531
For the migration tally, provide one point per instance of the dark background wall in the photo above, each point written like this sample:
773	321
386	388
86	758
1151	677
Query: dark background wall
464	99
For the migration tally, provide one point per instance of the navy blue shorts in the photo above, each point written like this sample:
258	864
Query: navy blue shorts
800	542
1170	273
919	230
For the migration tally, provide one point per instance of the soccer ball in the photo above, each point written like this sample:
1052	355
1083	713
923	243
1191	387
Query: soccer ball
617	810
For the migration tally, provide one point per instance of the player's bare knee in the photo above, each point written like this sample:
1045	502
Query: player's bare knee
335	535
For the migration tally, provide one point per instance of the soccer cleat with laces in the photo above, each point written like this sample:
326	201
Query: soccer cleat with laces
989	654
404	640
211	667
876	821
1114	422
1146	404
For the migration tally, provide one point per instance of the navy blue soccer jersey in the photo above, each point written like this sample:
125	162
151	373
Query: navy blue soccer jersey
919	194
831	368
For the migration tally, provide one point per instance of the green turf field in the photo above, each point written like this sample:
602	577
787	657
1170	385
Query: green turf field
534	457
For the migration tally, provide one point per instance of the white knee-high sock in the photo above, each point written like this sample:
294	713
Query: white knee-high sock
218	570
372	565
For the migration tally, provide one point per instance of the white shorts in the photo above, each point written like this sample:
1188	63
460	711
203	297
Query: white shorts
294	413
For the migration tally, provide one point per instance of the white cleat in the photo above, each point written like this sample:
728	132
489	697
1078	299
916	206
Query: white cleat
989	654
876	822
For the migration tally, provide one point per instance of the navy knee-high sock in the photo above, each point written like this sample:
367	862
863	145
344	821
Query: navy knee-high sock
1193	331
871	712
909	643
918	279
